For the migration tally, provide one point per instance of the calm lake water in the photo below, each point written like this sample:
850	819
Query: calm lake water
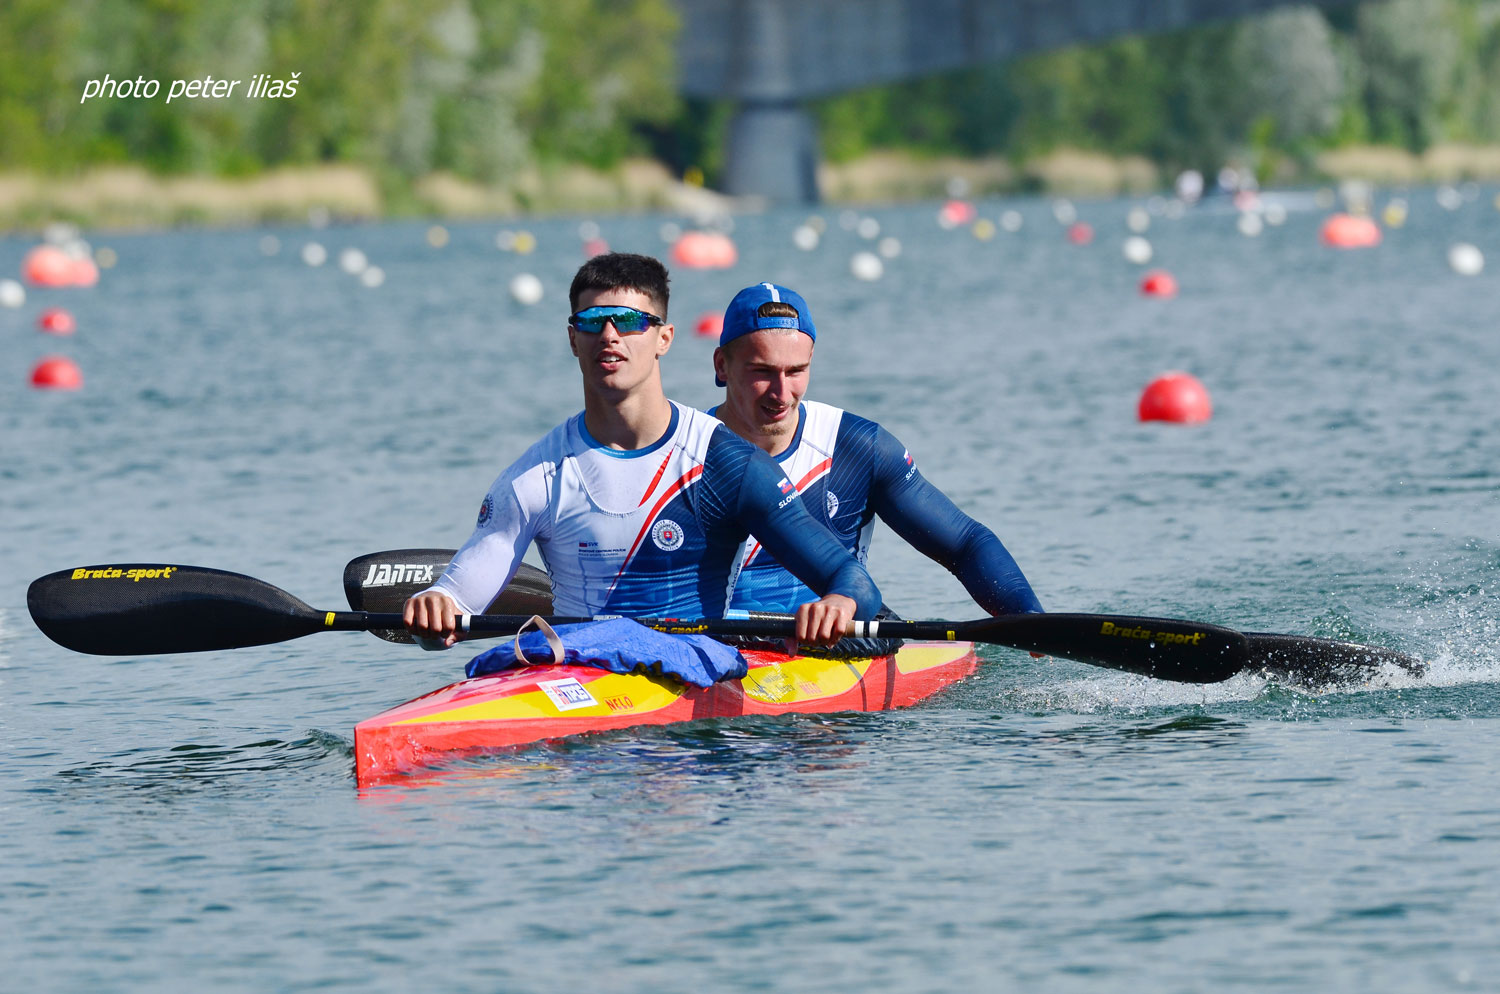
191	822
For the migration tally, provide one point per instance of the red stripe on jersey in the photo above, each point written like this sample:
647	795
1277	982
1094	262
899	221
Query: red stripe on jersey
657	478
687	478
812	475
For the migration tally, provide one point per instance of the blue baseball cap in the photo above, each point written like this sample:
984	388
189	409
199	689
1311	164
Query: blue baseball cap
742	316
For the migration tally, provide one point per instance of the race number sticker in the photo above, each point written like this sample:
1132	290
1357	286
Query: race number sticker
567	695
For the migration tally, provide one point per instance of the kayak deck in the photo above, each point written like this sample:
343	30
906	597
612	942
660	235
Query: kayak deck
534	703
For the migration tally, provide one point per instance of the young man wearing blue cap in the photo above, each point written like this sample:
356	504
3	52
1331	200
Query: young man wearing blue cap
640	506
849	470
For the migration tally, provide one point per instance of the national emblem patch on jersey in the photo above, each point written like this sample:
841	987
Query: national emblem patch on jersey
831	500
667	534
486	510
786	485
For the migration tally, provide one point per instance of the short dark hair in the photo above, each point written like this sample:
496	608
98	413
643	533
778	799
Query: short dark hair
777	309
622	271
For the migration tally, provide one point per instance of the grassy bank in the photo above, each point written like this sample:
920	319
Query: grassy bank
129	197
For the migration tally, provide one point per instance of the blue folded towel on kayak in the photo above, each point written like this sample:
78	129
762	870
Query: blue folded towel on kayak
622	645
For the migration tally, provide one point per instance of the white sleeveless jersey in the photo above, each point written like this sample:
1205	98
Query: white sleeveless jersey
621	532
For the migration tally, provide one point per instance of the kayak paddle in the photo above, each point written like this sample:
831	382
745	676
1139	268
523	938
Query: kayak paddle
139	609
382	581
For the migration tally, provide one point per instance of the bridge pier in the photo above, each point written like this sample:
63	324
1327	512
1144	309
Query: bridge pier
773	146
772	153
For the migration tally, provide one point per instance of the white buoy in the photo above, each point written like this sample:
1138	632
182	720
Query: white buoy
587	231
848	220
1011	220
866	266
372	276
1138	220
12	294
1449	199
1137	250
805	237
437	236
889	247
1064	211
1465	259
868	229
669	232
505	240
60	233
1275	214
526	288
269	245
1189	185
1250	224
353	261
314	254
106	257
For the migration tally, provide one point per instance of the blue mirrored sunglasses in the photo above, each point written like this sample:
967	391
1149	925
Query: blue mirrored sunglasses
627	320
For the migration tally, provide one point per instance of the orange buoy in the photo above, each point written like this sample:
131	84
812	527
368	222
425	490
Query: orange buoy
595	246
1080	233
48	265
1350	231
1159	283
1177	397
56	373
56	321
704	250
83	272
710	325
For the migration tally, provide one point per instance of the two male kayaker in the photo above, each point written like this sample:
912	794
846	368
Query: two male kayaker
640	505
849	470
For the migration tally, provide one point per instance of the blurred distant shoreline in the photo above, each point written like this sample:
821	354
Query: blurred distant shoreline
129	197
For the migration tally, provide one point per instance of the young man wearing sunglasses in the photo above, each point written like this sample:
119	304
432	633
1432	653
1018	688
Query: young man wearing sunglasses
849	470
640	506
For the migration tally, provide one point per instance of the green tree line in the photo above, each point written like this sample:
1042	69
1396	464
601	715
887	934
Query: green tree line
484	87
1289	82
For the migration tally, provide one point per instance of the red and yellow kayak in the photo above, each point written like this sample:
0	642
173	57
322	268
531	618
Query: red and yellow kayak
534	703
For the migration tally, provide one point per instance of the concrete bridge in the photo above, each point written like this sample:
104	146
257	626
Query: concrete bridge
771	55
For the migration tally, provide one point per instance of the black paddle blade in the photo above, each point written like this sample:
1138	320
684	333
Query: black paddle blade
382	582
1319	662
146	608
1163	648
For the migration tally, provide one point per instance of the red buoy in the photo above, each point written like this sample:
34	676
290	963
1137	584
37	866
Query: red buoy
56	321
56	373
704	250
1080	233
710	325
956	213
1159	283
48	265
84	272
1350	231
595	246
1175	396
